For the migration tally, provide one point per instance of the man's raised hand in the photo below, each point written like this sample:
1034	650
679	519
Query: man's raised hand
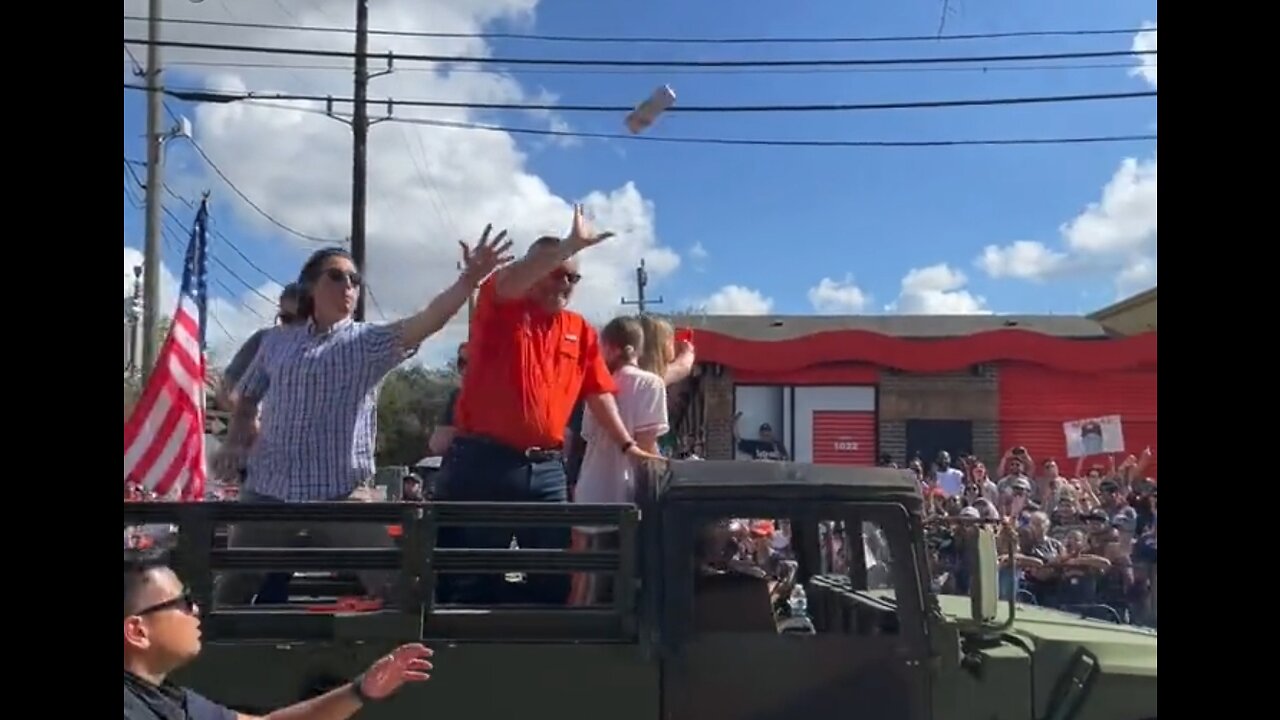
488	255
405	664
581	233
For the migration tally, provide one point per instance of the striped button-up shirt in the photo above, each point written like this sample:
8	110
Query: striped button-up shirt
319	397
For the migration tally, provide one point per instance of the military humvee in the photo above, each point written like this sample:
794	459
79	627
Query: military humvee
670	645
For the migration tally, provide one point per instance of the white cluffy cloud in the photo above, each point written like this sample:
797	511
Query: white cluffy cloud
1115	234
937	290
428	187
838	297
735	300
1146	42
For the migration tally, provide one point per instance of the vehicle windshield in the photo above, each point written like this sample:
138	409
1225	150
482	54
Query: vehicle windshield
765	547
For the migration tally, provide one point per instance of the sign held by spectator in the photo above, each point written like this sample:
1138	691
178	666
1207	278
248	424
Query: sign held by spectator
1094	436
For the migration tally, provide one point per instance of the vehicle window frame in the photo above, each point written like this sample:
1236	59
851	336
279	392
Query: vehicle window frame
685	518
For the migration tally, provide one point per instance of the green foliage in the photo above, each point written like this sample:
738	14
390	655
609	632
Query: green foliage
411	402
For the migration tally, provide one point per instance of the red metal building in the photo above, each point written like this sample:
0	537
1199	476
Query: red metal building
852	389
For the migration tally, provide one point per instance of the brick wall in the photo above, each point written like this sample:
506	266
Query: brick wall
717	396
972	394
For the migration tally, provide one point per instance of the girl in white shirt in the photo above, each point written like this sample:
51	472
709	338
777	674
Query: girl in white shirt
607	475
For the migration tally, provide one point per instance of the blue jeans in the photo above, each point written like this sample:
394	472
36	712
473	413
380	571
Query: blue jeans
478	470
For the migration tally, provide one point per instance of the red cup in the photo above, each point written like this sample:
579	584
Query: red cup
684	335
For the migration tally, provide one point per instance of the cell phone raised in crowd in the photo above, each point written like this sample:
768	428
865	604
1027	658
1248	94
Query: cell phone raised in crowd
684	335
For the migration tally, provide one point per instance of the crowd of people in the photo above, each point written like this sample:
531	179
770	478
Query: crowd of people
1085	542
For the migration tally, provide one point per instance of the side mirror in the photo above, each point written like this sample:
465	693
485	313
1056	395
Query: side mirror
984	576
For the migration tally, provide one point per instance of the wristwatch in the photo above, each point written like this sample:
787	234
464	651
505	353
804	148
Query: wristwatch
359	691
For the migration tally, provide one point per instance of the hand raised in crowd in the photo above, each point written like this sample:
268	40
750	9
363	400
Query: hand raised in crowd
407	663
479	262
582	233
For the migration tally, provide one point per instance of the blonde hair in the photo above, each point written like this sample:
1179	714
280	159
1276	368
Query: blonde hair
659	339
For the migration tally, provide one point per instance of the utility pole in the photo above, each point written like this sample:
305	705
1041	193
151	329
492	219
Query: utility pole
360	124
155	181
642	281
360	143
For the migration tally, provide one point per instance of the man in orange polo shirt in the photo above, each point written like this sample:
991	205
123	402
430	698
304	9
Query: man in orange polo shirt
530	359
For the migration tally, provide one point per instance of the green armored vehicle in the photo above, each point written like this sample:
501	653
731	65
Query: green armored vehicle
677	641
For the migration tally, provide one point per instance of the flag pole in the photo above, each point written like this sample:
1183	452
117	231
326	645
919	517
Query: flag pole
204	352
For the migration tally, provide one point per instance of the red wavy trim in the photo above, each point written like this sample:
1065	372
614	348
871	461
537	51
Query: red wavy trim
927	356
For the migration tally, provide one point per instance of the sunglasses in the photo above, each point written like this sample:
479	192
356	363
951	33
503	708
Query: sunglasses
184	603
573	277
287	318
343	276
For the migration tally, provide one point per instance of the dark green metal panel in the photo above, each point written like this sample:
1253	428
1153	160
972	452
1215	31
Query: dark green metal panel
567	682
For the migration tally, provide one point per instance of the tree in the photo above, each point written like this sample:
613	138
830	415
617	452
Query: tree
409	406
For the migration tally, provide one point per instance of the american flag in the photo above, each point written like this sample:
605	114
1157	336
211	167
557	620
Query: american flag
164	436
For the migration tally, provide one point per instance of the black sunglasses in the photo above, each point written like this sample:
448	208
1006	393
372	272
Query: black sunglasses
341	276
184	603
573	277
287	318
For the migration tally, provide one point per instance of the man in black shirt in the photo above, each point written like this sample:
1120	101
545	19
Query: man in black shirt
162	633
764	447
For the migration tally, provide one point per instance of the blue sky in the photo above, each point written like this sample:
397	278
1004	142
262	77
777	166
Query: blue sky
773	222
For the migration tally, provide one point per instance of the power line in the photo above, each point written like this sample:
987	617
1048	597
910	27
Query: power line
174	246
663	40
128	164
213	166
944	59
755	142
270	218
1081	140
671	71
195	95
178	221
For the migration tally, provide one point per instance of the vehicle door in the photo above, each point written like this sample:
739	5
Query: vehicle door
725	658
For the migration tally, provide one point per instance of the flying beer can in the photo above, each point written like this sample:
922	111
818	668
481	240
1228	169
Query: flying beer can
648	111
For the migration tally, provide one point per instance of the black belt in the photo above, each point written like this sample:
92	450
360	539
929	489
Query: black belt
540	455
533	454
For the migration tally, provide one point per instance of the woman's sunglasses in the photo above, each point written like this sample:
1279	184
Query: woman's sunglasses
343	276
